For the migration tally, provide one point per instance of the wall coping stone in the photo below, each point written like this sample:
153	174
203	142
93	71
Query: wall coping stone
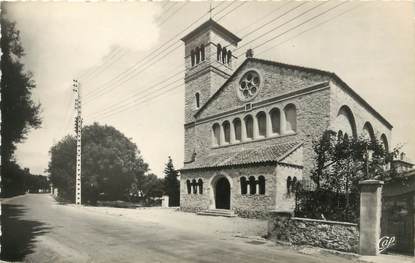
324	221
288	213
371	182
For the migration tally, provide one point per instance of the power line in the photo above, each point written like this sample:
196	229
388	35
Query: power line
280	25
263	18
311	28
141	61
169	8
230	11
120	106
104	66
164	92
308	20
125	107
226	7
131	76
90	71
139	91
275	19
128	76
172	13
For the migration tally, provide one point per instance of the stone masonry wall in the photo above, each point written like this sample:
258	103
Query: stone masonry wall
340	97
312	119
340	236
253	206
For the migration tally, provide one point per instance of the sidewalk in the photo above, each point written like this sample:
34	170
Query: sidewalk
382	258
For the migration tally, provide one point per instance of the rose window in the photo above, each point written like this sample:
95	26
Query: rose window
249	85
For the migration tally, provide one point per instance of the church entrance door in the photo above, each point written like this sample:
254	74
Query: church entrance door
223	194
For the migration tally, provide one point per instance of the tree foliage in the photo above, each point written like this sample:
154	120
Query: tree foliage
146	189
111	163
19	111
340	164
172	184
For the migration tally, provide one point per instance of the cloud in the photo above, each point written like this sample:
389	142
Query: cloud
79	35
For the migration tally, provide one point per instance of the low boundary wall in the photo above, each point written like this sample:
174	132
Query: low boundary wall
342	236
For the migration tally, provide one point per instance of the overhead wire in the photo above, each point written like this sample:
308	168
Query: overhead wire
283	24
294	27
143	60
128	75
181	70
121	109
311	28
172	13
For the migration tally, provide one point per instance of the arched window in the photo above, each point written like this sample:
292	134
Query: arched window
197	99
345	121
197	55
200	184
244	185
261	182
218	52
202	53
262	123
249	126
237	129
252	185
275	120
229	57
291	118
216	134
289	184
189	187
224	52
194	185
294	185
226	131
368	132
384	141
192	57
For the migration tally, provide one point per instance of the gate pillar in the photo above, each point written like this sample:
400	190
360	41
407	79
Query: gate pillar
370	213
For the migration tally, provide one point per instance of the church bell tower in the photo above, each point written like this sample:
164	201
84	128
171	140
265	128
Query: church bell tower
209	61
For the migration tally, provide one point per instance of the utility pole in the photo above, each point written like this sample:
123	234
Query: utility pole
78	130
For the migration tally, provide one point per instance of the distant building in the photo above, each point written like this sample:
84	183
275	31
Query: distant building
398	207
249	131
402	164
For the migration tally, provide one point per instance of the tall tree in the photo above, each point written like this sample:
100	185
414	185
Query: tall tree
110	165
19	111
172	184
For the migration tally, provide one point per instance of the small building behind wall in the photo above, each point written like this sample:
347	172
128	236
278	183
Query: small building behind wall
398	212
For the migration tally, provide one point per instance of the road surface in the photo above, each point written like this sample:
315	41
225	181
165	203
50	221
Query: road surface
37	229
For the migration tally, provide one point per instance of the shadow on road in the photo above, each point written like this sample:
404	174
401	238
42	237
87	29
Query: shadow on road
18	235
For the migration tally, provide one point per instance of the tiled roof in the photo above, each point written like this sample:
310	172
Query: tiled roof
273	153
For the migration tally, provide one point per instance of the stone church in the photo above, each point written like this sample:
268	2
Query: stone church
249	130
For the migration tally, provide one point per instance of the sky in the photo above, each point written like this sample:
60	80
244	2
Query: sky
120	54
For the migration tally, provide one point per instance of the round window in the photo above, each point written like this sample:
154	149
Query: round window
249	85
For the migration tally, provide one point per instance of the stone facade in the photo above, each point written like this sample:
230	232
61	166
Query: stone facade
341	236
245	205
317	99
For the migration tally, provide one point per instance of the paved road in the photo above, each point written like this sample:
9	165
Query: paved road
37	229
